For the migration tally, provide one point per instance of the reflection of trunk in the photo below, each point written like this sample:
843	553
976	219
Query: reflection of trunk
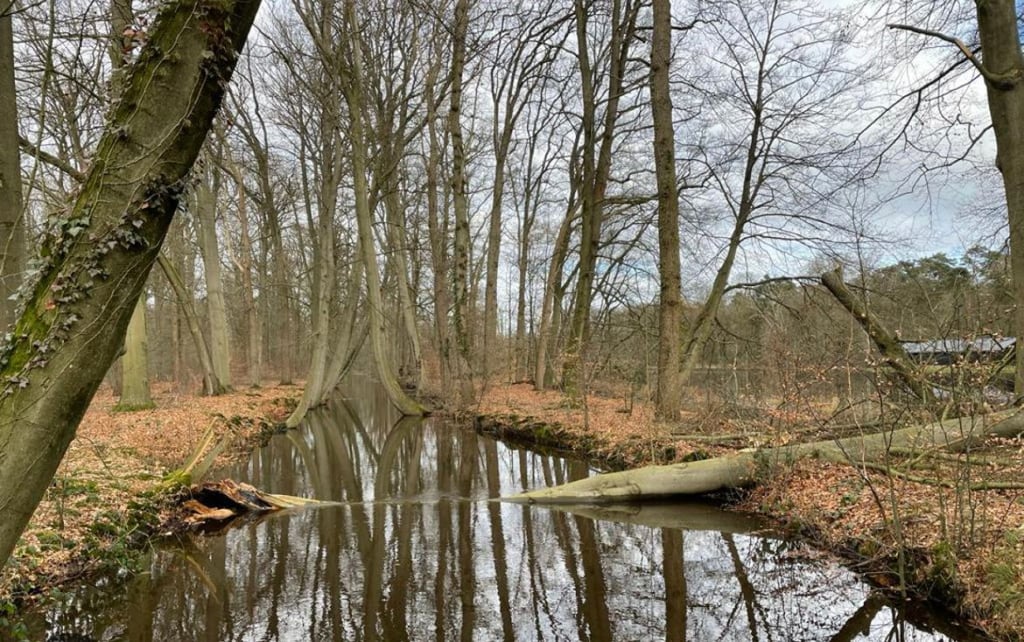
747	592
135	363
396	625
859	624
211	385
468	454
670	304
492	469
595	601
884	340
12	230
674	572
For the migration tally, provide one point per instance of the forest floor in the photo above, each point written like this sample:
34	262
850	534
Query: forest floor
105	496
946	527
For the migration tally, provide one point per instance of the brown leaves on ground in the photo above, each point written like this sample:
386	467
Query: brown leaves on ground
103	492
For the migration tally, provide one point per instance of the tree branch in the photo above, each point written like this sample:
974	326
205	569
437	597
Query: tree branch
48	158
1000	81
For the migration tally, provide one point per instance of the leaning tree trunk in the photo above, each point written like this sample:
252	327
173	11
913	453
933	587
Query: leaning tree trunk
886	342
211	384
364	222
100	253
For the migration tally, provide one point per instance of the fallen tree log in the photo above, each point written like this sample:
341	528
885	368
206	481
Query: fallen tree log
744	468
219	503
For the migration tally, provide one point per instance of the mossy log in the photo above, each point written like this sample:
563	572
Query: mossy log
746	467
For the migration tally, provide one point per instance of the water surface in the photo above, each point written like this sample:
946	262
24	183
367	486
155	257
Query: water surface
416	552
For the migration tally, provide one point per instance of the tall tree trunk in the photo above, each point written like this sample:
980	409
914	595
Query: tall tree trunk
670	309
206	217
324	263
12	229
243	262
551	305
597	163
364	220
399	251
1003	66
460	205
77	313
135	362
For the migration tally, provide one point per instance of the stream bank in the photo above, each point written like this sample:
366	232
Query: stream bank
107	498
941	535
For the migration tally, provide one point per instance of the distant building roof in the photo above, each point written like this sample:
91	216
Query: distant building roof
979	345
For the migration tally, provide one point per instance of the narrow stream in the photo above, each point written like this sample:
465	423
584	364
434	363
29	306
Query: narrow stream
417	553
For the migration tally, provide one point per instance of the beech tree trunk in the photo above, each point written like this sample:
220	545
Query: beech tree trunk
1003	66
460	205
670	309
597	163
206	217
97	261
364	220
135	362
12	229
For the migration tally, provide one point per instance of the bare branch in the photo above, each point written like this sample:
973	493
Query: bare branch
48	158
1000	81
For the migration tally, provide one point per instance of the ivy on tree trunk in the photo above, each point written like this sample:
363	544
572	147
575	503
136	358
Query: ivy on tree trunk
96	256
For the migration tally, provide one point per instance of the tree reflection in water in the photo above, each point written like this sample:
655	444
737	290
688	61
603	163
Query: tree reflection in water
417	552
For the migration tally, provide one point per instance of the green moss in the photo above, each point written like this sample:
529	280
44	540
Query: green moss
134	407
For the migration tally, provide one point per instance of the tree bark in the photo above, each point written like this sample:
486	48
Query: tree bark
12	228
460	205
551	305
1002	59
670	310
892	351
206	217
97	260
135	362
597	163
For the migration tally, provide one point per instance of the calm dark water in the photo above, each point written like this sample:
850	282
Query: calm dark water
418	553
